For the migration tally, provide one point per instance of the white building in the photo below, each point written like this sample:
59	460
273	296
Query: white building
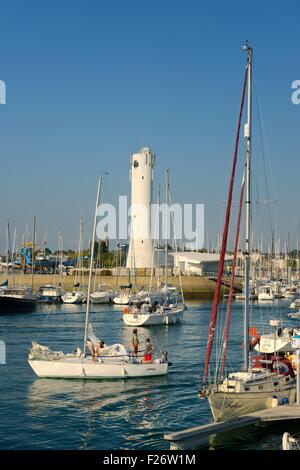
194	263
140	253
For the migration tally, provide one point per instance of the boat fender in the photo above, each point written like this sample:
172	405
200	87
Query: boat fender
126	310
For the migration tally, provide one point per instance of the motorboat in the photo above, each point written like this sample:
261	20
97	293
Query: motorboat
50	294
17	299
265	293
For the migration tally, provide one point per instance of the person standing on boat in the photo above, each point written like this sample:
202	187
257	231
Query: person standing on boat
135	342
149	350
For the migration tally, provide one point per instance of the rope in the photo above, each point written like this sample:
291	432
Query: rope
228	313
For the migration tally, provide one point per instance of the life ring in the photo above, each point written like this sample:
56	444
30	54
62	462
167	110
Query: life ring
282	367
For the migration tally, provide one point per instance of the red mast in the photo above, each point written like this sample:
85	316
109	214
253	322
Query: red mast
216	298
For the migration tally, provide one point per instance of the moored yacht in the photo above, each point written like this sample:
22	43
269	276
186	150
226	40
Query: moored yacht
265	380
74	297
102	295
50	294
17	299
143	315
265	293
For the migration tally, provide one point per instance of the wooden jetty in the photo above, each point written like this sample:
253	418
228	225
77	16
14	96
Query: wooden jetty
199	436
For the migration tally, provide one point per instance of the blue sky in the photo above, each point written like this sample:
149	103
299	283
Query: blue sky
89	83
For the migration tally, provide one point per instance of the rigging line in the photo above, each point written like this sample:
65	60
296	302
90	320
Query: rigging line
175	243
224	238
156	227
264	143
264	161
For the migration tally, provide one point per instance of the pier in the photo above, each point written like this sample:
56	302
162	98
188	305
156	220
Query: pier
199	436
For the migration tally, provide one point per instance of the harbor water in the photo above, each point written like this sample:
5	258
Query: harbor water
115	414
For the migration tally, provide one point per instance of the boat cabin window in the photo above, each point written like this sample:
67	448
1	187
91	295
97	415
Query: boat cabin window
260	387
135	163
247	389
275	383
287	379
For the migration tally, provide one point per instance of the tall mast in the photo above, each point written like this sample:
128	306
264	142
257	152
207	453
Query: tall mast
249	51
33	250
6	247
166	222
91	266
158	237
272	254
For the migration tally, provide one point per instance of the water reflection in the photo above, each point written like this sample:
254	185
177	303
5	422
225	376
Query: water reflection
108	405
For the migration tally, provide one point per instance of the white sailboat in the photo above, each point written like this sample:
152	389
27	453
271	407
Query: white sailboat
73	297
163	306
50	294
123	298
265	293
114	362
78	295
264	379
103	295
163	315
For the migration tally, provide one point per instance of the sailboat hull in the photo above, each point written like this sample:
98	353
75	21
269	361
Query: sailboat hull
79	369
73	298
100	299
232	405
13	305
151	319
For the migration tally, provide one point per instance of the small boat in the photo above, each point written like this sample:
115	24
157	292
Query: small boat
99	297
103	295
74	297
50	294
122	299
265	293
164	315
17	299
252	296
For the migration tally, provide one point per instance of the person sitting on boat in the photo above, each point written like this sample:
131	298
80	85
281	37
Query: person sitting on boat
149	350
135	342
94	344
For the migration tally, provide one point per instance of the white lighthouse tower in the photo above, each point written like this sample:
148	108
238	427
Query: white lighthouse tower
140	253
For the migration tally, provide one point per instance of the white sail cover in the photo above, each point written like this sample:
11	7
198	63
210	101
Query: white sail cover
114	350
91	335
40	352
